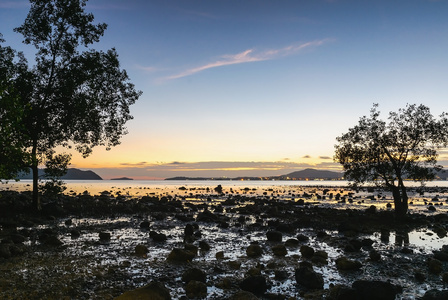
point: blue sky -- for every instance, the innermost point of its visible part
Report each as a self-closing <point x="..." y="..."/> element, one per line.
<point x="258" y="87"/>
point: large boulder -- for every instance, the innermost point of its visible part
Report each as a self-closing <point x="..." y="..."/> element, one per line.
<point x="254" y="284"/>
<point x="373" y="290"/>
<point x="152" y="291"/>
<point x="307" y="277"/>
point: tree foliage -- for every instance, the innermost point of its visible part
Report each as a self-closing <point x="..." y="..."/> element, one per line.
<point x="388" y="153"/>
<point x="77" y="96"/>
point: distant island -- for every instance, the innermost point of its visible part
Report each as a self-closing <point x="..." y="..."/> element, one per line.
<point x="307" y="174"/>
<point x="122" y="178"/>
<point x="72" y="174"/>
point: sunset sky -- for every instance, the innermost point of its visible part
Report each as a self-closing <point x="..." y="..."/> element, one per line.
<point x="258" y="88"/>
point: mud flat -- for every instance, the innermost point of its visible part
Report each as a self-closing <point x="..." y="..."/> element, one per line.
<point x="246" y="243"/>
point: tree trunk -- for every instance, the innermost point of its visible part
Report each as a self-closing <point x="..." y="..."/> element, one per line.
<point x="35" y="171"/>
<point x="400" y="201"/>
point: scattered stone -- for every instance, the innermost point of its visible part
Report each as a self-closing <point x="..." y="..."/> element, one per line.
<point x="144" y="224"/>
<point x="189" y="230"/>
<point x="254" y="250"/>
<point x="292" y="243"/>
<point x="234" y="265"/>
<point x="157" y="237"/>
<point x="345" y="264"/>
<point x="74" y="233"/>
<point x="204" y="246"/>
<point x="194" y="274"/>
<point x="141" y="250"/>
<point x="419" y="276"/>
<point x="180" y="255"/>
<point x="53" y="241"/>
<point x="154" y="290"/>
<point x="104" y="236"/>
<point x="374" y="290"/>
<point x="302" y="238"/>
<point x="196" y="289"/>
<point x="281" y="275"/>
<point x="307" y="277"/>
<point x="219" y="255"/>
<point x="434" y="266"/>
<point x="254" y="284"/>
<point x="441" y="255"/>
<point x="435" y="295"/>
<point x="243" y="295"/>
<point x="279" y="250"/>
<point x="307" y="251"/>
<point x="274" y="236"/>
<point x="374" y="255"/>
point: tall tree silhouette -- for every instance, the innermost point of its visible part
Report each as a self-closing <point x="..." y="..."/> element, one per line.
<point x="388" y="153"/>
<point x="77" y="96"/>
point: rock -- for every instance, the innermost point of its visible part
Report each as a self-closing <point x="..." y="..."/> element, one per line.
<point x="374" y="290"/>
<point x="196" y="289"/>
<point x="254" y="250"/>
<point x="307" y="277"/>
<point x="243" y="295"/>
<point x="74" y="233"/>
<point x="194" y="274"/>
<point x="435" y="295"/>
<point x="17" y="238"/>
<point x="224" y="284"/>
<point x="281" y="275"/>
<point x="307" y="251"/>
<point x="374" y="255"/>
<point x="144" y="224"/>
<point x="234" y="265"/>
<point x="192" y="248"/>
<point x="180" y="255"/>
<point x="4" y="251"/>
<point x="302" y="238"/>
<point x="445" y="277"/>
<point x="367" y="242"/>
<point x="340" y="292"/>
<point x="434" y="266"/>
<point x="353" y="246"/>
<point x="104" y="236"/>
<point x="53" y="241"/>
<point x="141" y="250"/>
<point x="219" y="255"/>
<point x="253" y="272"/>
<point x="189" y="230"/>
<point x="153" y="291"/>
<point x="441" y="255"/>
<point x="292" y="243"/>
<point x="254" y="284"/>
<point x="157" y="237"/>
<point x="345" y="264"/>
<point x="204" y="246"/>
<point x="419" y="276"/>
<point x="279" y="250"/>
<point x="274" y="236"/>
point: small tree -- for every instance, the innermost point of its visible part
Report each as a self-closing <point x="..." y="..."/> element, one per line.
<point x="75" y="95"/>
<point x="388" y="153"/>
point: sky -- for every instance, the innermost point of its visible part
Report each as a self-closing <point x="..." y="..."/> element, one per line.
<point x="258" y="88"/>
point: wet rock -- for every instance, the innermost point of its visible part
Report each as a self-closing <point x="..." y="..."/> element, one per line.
<point x="353" y="246"/>
<point x="253" y="272"/>
<point x="419" y="276"/>
<point x="189" y="230"/>
<point x="367" y="242"/>
<point x="17" y="238"/>
<point x="104" y="236"/>
<point x="254" y="250"/>
<point x="340" y="292"/>
<point x="435" y="295"/>
<point x="196" y="289"/>
<point x="243" y="295"/>
<point x="320" y="257"/>
<point x="53" y="241"/>
<point x="292" y="243"/>
<point x="373" y="290"/>
<point x="224" y="284"/>
<point x="279" y="250"/>
<point x="180" y="255"/>
<point x="5" y="251"/>
<point x="441" y="255"/>
<point x="74" y="233"/>
<point x="157" y="237"/>
<point x="192" y="248"/>
<point x="345" y="264"/>
<point x="274" y="236"/>
<point x="141" y="250"/>
<point x="219" y="255"/>
<point x="194" y="274"/>
<point x="144" y="224"/>
<point x="374" y="255"/>
<point x="307" y="277"/>
<point x="307" y="251"/>
<point x="254" y="284"/>
<point x="204" y="246"/>
<point x="445" y="277"/>
<point x="281" y="275"/>
<point x="154" y="290"/>
<point x="434" y="266"/>
<point x="302" y="238"/>
<point x="234" y="265"/>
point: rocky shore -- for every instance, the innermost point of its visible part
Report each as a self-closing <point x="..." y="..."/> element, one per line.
<point x="219" y="244"/>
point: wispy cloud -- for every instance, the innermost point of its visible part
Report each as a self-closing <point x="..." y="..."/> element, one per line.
<point x="250" y="55"/>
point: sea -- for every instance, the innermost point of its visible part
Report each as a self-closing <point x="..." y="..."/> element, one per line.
<point x="151" y="187"/>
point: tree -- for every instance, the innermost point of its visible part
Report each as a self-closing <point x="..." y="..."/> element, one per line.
<point x="388" y="153"/>
<point x="77" y="96"/>
<point x="12" y="155"/>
